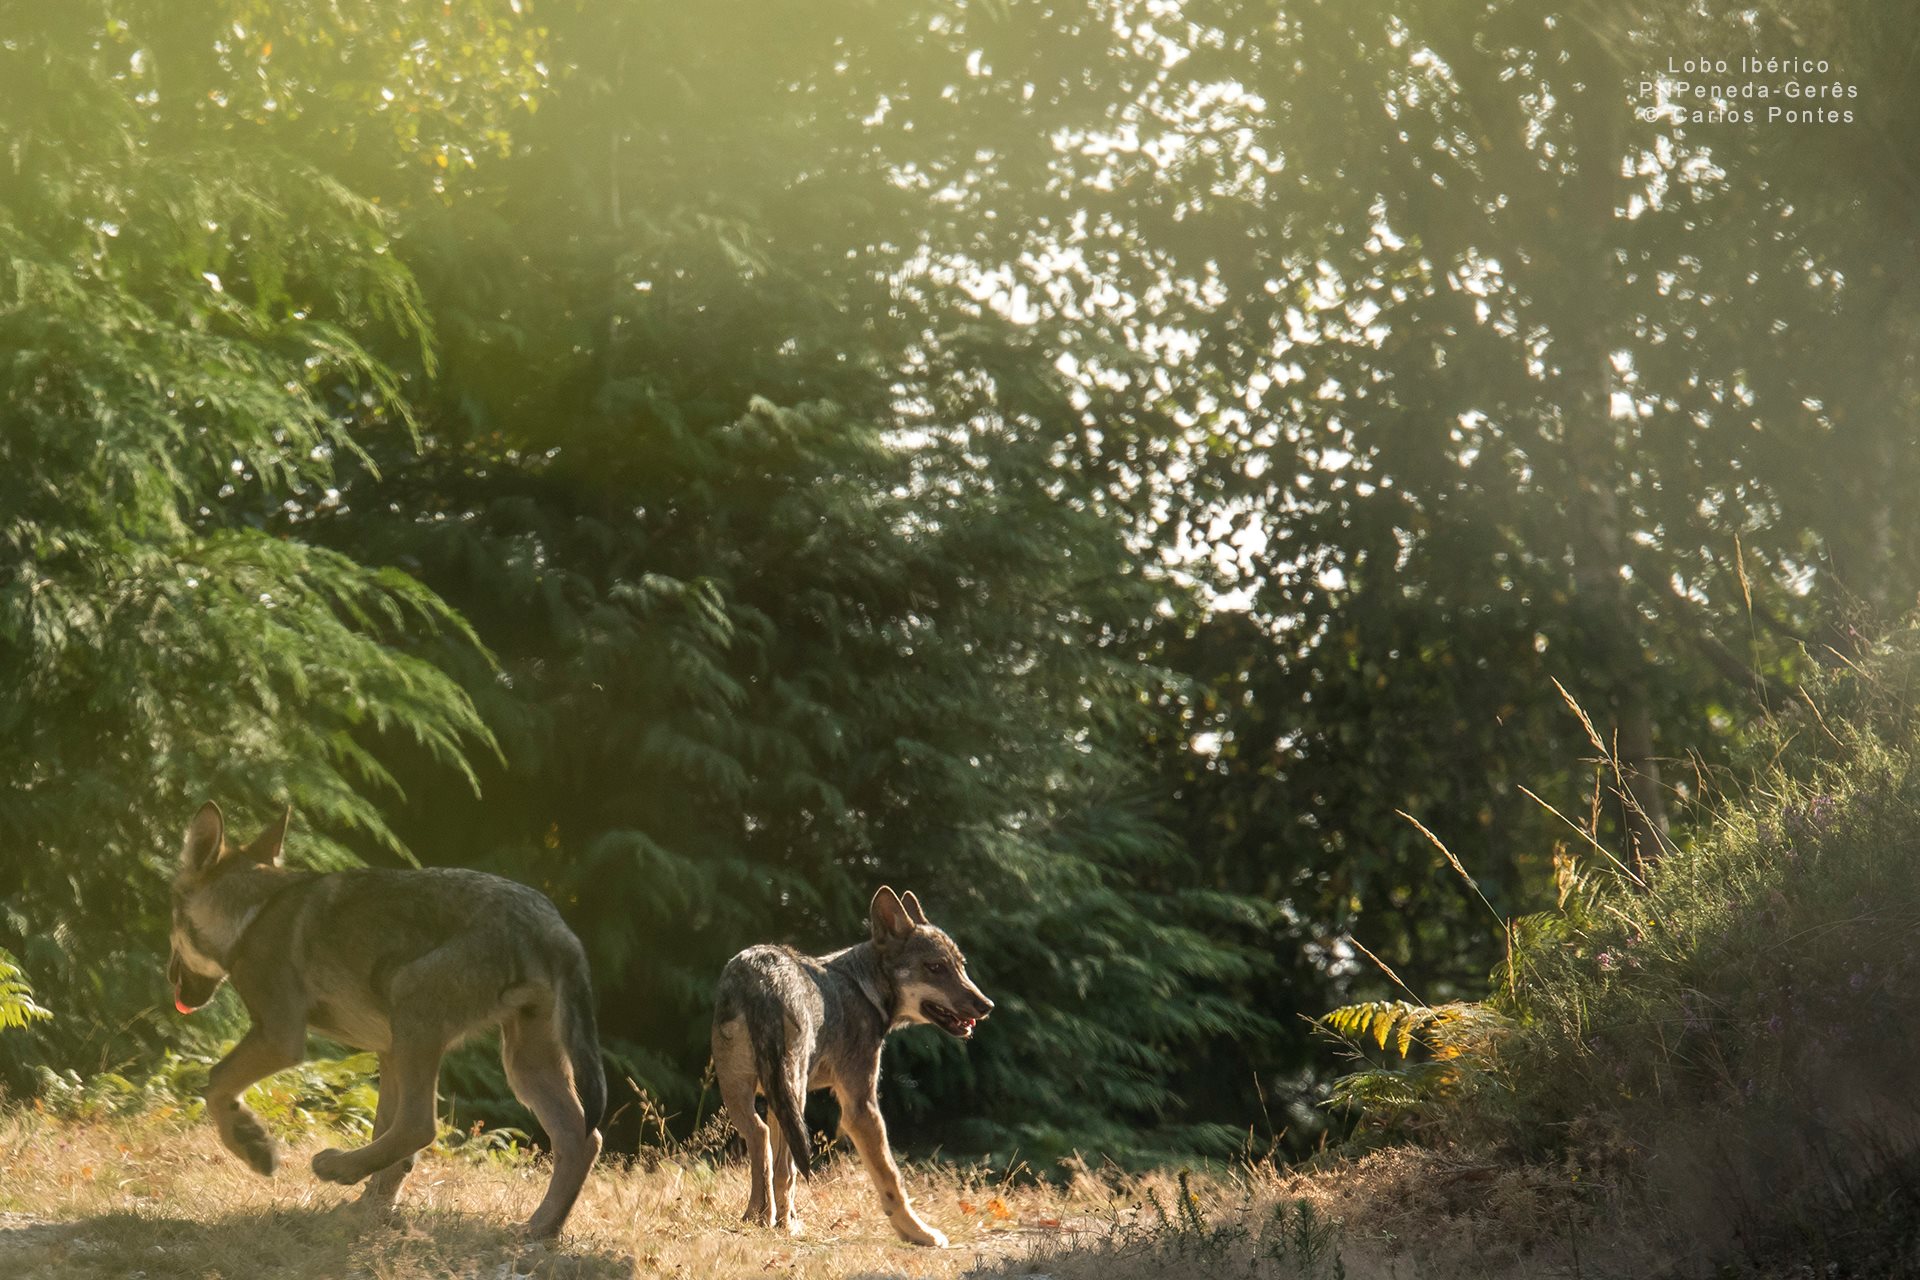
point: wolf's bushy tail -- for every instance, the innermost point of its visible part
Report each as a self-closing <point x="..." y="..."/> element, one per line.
<point x="582" y="1038"/>
<point x="767" y="1029"/>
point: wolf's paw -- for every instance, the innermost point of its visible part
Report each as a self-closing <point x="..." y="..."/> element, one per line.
<point x="921" y="1234"/>
<point x="335" y="1165"/>
<point x="757" y="1215"/>
<point x="378" y="1198"/>
<point x="792" y="1226"/>
<point x="247" y="1138"/>
<point x="379" y="1192"/>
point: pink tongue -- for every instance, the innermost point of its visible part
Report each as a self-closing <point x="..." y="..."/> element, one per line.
<point x="181" y="1005"/>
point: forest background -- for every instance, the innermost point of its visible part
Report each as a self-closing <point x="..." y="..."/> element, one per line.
<point x="1104" y="466"/>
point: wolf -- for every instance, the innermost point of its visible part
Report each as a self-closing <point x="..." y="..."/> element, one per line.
<point x="784" y="1024"/>
<point x="401" y="962"/>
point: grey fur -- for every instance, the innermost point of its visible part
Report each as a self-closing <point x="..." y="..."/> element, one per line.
<point x="404" y="963"/>
<point x="785" y="1023"/>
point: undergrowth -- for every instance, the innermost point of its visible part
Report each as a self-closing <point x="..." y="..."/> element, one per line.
<point x="319" y="1096"/>
<point x="1732" y="1024"/>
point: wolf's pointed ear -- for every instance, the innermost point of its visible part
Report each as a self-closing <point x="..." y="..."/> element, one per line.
<point x="888" y="918"/>
<point x="266" y="846"/>
<point x="915" y="912"/>
<point x="206" y="836"/>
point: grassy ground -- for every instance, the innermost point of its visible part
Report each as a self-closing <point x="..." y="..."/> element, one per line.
<point x="149" y="1199"/>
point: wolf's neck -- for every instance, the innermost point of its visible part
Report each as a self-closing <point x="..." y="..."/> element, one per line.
<point x="221" y="912"/>
<point x="861" y="965"/>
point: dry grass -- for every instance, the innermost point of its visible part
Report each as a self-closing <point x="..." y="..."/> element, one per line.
<point x="147" y="1199"/>
<point x="1398" y="1214"/>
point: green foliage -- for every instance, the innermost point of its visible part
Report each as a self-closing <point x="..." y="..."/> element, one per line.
<point x="17" y="1005"/>
<point x="1419" y="1065"/>
<point x="187" y="324"/>
<point x="1496" y="384"/>
<point x="797" y="584"/>
<point x="705" y="467"/>
<point x="1771" y="970"/>
<point x="1384" y="1020"/>
<point x="798" y="574"/>
<point x="171" y="1089"/>
<point x="1735" y="1035"/>
<point x="723" y="727"/>
<point x="327" y="1095"/>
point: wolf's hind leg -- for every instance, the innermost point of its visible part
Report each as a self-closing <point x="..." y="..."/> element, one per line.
<point x="734" y="1070"/>
<point x="784" y="1173"/>
<point x="415" y="1069"/>
<point x="383" y="1188"/>
<point x="542" y="1078"/>
<point x="259" y="1054"/>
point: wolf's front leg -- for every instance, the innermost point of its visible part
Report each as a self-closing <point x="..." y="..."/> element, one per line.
<point x="416" y="1070"/>
<point x="383" y="1188"/>
<point x="259" y="1054"/>
<point x="860" y="1118"/>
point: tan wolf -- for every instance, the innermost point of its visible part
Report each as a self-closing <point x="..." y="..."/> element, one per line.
<point x="784" y="1023"/>
<point x="401" y="962"/>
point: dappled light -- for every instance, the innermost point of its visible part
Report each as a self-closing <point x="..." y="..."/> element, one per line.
<point x="1358" y="554"/>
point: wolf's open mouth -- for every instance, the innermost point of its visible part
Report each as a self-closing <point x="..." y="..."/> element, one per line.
<point x="949" y="1021"/>
<point x="193" y="993"/>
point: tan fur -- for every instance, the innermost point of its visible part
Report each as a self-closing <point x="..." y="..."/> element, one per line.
<point x="403" y="963"/>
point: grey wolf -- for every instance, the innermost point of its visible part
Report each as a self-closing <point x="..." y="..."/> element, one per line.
<point x="785" y="1023"/>
<point x="401" y="962"/>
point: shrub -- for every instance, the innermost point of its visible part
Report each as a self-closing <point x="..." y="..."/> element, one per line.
<point x="329" y="1097"/>
<point x="1739" y="1021"/>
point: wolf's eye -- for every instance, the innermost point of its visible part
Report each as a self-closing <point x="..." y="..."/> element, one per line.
<point x="936" y="969"/>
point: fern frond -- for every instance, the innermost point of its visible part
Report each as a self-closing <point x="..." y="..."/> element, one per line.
<point x="18" y="1008"/>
